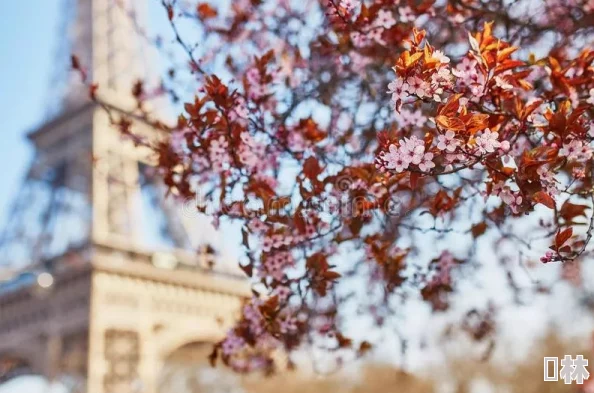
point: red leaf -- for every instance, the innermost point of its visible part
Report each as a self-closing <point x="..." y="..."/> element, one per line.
<point x="545" y="199"/>
<point x="299" y="220"/>
<point x="364" y="347"/>
<point x="450" y="123"/>
<point x="247" y="269"/>
<point x="206" y="11"/>
<point x="565" y="249"/>
<point x="479" y="229"/>
<point x="311" y="168"/>
<point x="331" y="275"/>
<point x="414" y="177"/>
<point x="563" y="236"/>
<point x="569" y="211"/>
<point x="213" y="356"/>
<point x="343" y="342"/>
<point x="75" y="63"/>
<point x="93" y="91"/>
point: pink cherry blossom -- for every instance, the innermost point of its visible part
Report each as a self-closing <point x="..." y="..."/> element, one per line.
<point x="359" y="39"/>
<point x="407" y="118"/>
<point x="288" y="325"/>
<point x="394" y="160"/>
<point x="232" y="344"/>
<point x="511" y="198"/>
<point x="219" y="157"/>
<point x="417" y="118"/>
<point x="349" y="5"/>
<point x="282" y="292"/>
<point x="406" y="14"/>
<point x="427" y="162"/>
<point x="399" y="90"/>
<point x="267" y="243"/>
<point x="385" y="19"/>
<point x="548" y="257"/>
<point x="257" y="226"/>
<point x="276" y="264"/>
<point x="467" y="67"/>
<point x="376" y="35"/>
<point x="439" y="55"/>
<point x="448" y="141"/>
<point x="412" y="149"/>
<point x="578" y="172"/>
<point x="487" y="142"/>
<point x="547" y="180"/>
<point x="576" y="151"/>
<point x="418" y="86"/>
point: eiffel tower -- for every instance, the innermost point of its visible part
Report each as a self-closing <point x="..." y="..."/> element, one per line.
<point x="81" y="295"/>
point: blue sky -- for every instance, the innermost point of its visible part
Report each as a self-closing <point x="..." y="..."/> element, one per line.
<point x="28" y="42"/>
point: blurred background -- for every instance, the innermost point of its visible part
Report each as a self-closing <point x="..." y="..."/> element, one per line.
<point x="33" y="77"/>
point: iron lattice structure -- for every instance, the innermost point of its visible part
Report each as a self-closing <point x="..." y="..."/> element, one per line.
<point x="82" y="294"/>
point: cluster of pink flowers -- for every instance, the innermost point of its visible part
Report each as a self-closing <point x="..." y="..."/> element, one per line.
<point x="576" y="150"/>
<point x="578" y="172"/>
<point x="283" y="293"/>
<point x="406" y="14"/>
<point x="448" y="142"/>
<point x="548" y="257"/>
<point x="288" y="324"/>
<point x="252" y="314"/>
<point x="441" y="272"/>
<point x="442" y="78"/>
<point x="558" y="13"/>
<point x="373" y="33"/>
<point x="296" y="142"/>
<point x="401" y="89"/>
<point x="511" y="198"/>
<point x="232" y="344"/>
<point x="358" y="62"/>
<point x="349" y="5"/>
<point x="276" y="241"/>
<point x="407" y="118"/>
<point x="384" y="19"/>
<point x="275" y="264"/>
<point x="243" y="356"/>
<point x="240" y="111"/>
<point x="410" y="151"/>
<point x="256" y="88"/>
<point x="218" y="154"/>
<point x="417" y="86"/>
<point x="256" y="225"/>
<point x="398" y="88"/>
<point x="488" y="142"/>
<point x="251" y="152"/>
<point x="469" y="76"/>
<point x="547" y="180"/>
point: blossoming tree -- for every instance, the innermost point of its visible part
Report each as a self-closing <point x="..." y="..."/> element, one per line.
<point x="343" y="136"/>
